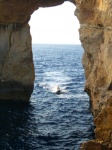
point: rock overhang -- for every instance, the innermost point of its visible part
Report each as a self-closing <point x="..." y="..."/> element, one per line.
<point x="95" y="17"/>
<point x="12" y="11"/>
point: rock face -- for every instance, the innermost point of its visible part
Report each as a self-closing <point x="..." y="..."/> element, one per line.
<point x="95" y="17"/>
<point x="12" y="11"/>
<point x="16" y="64"/>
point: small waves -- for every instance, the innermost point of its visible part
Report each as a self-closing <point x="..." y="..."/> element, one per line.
<point x="50" y="121"/>
<point x="64" y="120"/>
<point x="52" y="80"/>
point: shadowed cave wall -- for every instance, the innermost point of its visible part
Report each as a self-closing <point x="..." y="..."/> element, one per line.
<point x="17" y="70"/>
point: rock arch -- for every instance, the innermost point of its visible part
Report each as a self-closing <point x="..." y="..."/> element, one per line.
<point x="16" y="64"/>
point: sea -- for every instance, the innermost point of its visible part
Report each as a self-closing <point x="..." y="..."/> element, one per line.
<point x="51" y="120"/>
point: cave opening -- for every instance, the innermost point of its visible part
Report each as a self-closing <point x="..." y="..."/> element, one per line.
<point x="57" y="55"/>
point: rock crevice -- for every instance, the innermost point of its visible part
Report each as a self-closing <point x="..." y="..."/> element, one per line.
<point x="96" y="36"/>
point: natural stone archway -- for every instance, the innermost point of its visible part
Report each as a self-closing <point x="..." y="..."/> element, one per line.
<point x="16" y="63"/>
<point x="16" y="67"/>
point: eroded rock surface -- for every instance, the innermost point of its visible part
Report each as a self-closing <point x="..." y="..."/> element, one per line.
<point x="95" y="17"/>
<point x="16" y="61"/>
<point x="12" y="11"/>
<point x="16" y="64"/>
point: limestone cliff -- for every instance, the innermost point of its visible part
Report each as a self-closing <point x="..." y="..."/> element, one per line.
<point x="16" y="61"/>
<point x="16" y="64"/>
<point x="95" y="17"/>
<point x="12" y="11"/>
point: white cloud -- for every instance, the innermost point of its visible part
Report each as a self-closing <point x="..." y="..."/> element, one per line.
<point x="55" y="25"/>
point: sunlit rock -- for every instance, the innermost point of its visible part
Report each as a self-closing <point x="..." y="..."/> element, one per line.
<point x="16" y="61"/>
<point x="95" y="17"/>
<point x="16" y="67"/>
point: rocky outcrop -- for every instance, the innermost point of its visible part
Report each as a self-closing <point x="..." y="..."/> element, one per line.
<point x="12" y="11"/>
<point x="95" y="17"/>
<point x="16" y="61"/>
<point x="16" y="64"/>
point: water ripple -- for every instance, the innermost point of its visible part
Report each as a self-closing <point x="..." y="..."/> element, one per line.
<point x="50" y="121"/>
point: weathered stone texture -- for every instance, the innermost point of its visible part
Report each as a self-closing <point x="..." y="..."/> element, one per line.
<point x="19" y="11"/>
<point x="16" y="60"/>
<point x="94" y="145"/>
<point x="16" y="64"/>
<point x="95" y="17"/>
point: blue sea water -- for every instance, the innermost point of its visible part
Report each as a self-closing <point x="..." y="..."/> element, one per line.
<point x="50" y="121"/>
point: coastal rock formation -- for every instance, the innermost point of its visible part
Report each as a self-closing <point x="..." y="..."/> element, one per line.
<point x="12" y="11"/>
<point x="16" y="64"/>
<point x="17" y="70"/>
<point x="95" y="17"/>
<point x="16" y="60"/>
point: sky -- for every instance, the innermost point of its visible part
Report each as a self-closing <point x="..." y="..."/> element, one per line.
<point x="55" y="25"/>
